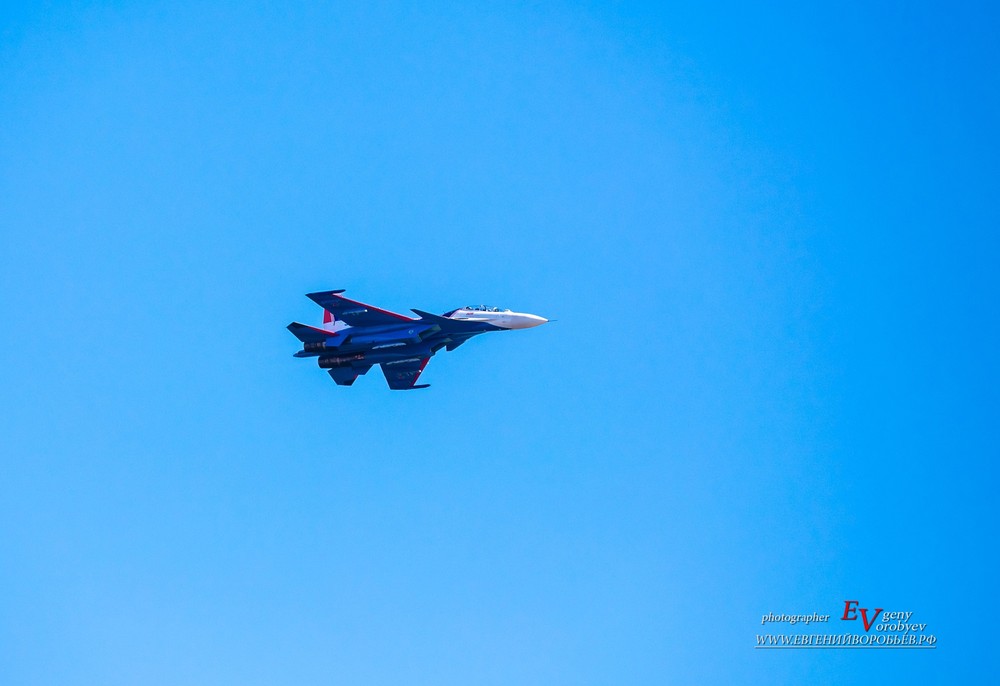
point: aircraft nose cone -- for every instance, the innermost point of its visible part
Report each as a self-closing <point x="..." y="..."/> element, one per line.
<point x="530" y="320"/>
<point x="519" y="320"/>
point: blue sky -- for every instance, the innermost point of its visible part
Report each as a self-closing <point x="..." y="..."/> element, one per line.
<point x="768" y="235"/>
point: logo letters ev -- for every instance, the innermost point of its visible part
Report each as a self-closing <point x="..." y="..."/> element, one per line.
<point x="851" y="612"/>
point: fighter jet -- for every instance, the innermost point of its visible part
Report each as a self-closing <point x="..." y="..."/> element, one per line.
<point x="356" y="336"/>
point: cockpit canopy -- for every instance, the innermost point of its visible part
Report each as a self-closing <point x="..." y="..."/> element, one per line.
<point x="483" y="308"/>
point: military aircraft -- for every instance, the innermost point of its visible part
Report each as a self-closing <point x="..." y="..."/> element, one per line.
<point x="356" y="336"/>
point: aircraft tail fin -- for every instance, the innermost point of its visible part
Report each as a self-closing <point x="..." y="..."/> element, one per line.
<point x="345" y="376"/>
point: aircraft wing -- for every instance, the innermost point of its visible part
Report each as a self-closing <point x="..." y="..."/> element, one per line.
<point x="355" y="313"/>
<point x="402" y="375"/>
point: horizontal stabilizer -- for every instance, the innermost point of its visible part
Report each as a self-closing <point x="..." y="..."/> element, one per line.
<point x="309" y="334"/>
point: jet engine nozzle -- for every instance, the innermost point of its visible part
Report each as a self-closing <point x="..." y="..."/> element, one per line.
<point x="339" y="361"/>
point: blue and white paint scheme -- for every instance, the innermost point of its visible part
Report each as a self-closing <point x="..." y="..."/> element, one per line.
<point x="502" y="319"/>
<point x="356" y="336"/>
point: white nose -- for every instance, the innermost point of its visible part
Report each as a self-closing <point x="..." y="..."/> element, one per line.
<point x="524" y="321"/>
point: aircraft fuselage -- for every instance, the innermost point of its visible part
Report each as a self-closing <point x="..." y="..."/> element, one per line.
<point x="356" y="336"/>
